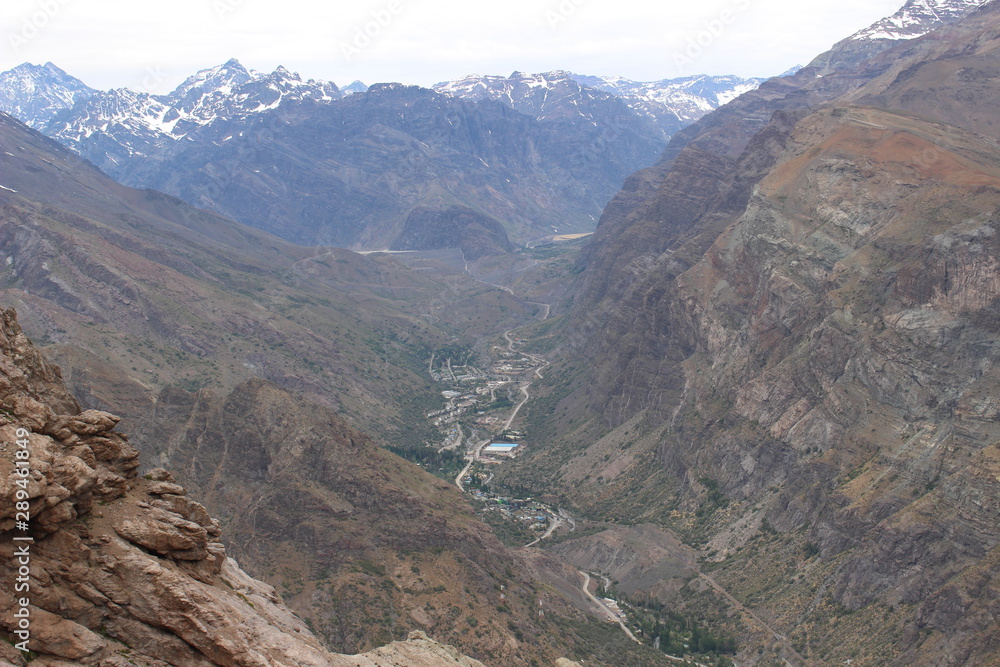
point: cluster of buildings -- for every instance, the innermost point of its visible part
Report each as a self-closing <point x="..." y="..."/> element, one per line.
<point x="615" y="609"/>
<point x="491" y="386"/>
<point x="514" y="367"/>
<point x="527" y="511"/>
<point x="458" y="405"/>
<point x="505" y="448"/>
<point x="462" y="400"/>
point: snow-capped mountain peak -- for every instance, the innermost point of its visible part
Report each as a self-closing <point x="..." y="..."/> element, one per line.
<point x="233" y="91"/>
<point x="34" y="93"/>
<point x="355" y="87"/>
<point x="225" y="78"/>
<point x="917" y="18"/>
<point x="126" y="122"/>
<point x="705" y="91"/>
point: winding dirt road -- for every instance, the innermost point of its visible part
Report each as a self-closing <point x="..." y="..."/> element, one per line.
<point x="611" y="616"/>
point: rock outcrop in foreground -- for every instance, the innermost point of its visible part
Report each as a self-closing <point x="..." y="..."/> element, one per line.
<point x="127" y="570"/>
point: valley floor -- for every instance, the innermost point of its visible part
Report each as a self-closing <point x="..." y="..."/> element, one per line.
<point x="473" y="422"/>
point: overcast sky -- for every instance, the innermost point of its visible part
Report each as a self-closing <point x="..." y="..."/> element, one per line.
<point x="155" y="45"/>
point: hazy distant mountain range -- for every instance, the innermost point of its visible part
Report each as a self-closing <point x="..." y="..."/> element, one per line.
<point x="315" y="164"/>
<point x="38" y="94"/>
<point x="670" y="104"/>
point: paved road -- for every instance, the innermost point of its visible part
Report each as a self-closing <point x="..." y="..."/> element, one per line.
<point x="473" y="455"/>
<point x="548" y="308"/>
<point x="611" y="616"/>
<point x="524" y="390"/>
<point x="510" y="341"/>
<point x="554" y="522"/>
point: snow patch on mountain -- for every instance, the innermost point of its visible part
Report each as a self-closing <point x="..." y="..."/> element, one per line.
<point x="546" y="96"/>
<point x="686" y="99"/>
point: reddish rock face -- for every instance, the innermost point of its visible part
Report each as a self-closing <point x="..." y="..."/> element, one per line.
<point x="122" y="566"/>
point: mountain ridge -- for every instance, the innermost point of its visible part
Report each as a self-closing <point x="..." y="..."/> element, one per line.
<point x="549" y="173"/>
<point x="917" y="18"/>
<point x="670" y="103"/>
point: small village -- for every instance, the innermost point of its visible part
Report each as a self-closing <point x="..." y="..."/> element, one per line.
<point x="475" y="421"/>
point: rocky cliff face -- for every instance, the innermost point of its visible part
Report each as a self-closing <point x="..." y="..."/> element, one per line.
<point x="702" y="177"/>
<point x="667" y="216"/>
<point x="810" y="354"/>
<point x="843" y="358"/>
<point x="123" y="570"/>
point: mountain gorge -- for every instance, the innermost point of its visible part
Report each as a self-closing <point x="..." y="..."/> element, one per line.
<point x="758" y="406"/>
<point x="235" y="359"/>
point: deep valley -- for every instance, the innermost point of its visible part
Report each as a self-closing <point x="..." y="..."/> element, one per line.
<point x="539" y="369"/>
